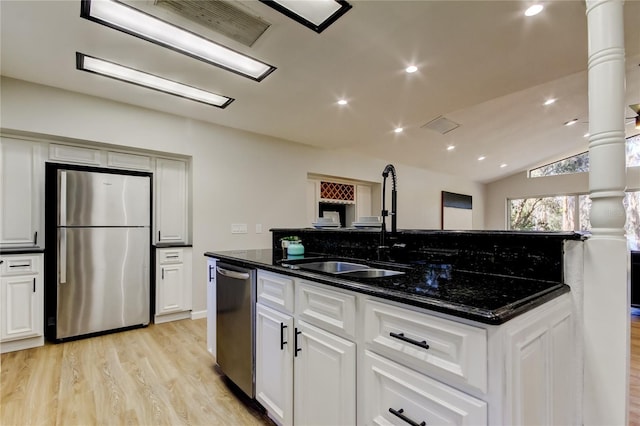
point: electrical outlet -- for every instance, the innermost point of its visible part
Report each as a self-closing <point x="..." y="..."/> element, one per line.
<point x="258" y="228"/>
<point x="238" y="228"/>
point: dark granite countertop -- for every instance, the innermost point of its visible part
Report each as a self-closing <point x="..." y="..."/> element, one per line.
<point x="486" y="298"/>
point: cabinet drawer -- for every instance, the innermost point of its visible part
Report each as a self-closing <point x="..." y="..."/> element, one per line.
<point x="456" y="352"/>
<point x="20" y="265"/>
<point x="170" y="256"/>
<point x="332" y="310"/>
<point x="276" y="291"/>
<point x="391" y="388"/>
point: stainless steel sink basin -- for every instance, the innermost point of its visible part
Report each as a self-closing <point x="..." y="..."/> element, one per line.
<point x="371" y="273"/>
<point x="331" y="267"/>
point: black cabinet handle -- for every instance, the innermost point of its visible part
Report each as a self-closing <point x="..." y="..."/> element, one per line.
<point x="295" y="342"/>
<point x="282" y="342"/>
<point x="158" y="236"/>
<point x="35" y="238"/>
<point x="210" y="271"/>
<point x="163" y="273"/>
<point x="398" y="413"/>
<point x="22" y="265"/>
<point x="34" y="285"/>
<point x="402" y="337"/>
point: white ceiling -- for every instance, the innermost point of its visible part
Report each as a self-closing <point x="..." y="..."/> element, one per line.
<point x="481" y="64"/>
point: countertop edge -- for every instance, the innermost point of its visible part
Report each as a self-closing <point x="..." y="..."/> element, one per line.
<point x="485" y="316"/>
<point x="22" y="250"/>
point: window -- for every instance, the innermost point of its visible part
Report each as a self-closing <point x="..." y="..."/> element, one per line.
<point x="580" y="163"/>
<point x="559" y="213"/>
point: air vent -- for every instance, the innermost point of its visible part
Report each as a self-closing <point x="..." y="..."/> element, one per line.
<point x="441" y="125"/>
<point x="220" y="16"/>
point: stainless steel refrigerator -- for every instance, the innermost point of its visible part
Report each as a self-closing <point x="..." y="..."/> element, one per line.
<point x="102" y="253"/>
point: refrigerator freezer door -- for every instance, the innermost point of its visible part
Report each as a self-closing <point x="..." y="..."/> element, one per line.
<point x="107" y="280"/>
<point x="103" y="199"/>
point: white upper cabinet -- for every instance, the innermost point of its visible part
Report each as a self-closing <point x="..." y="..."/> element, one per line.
<point x="21" y="194"/>
<point x="171" y="200"/>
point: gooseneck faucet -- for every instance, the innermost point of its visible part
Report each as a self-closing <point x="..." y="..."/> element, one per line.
<point x="394" y="200"/>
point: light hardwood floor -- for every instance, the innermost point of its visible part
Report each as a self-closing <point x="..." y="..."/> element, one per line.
<point x="158" y="375"/>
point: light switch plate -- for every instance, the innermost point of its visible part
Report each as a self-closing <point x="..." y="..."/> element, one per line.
<point x="238" y="228"/>
<point x="258" y="228"/>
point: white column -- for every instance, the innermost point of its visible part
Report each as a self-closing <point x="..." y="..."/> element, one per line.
<point x="606" y="301"/>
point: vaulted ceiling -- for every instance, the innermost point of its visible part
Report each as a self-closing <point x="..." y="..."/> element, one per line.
<point x="481" y="64"/>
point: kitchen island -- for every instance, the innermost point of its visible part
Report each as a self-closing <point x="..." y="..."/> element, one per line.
<point x="440" y="343"/>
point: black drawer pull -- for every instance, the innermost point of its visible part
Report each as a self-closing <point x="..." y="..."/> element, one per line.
<point x="398" y="413"/>
<point x="402" y="337"/>
<point x="34" y="285"/>
<point x="282" y="342"/>
<point x="210" y="273"/>
<point x="20" y="266"/>
<point x="295" y="342"/>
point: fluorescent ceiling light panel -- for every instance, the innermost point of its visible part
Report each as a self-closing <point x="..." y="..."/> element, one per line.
<point x="139" y="78"/>
<point x="137" y="23"/>
<point x="314" y="14"/>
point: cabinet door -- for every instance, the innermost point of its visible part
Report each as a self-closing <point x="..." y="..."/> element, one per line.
<point x="324" y="377"/>
<point x="171" y="201"/>
<point x="169" y="290"/>
<point x="211" y="306"/>
<point x="395" y="395"/>
<point x="21" y="304"/>
<point x="21" y="194"/>
<point x="274" y="365"/>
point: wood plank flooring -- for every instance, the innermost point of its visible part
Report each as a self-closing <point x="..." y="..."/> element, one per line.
<point x="159" y="375"/>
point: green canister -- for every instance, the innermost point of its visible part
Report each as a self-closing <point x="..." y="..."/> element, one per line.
<point x="295" y="248"/>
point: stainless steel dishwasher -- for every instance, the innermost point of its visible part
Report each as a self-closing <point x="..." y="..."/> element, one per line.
<point x="235" y="329"/>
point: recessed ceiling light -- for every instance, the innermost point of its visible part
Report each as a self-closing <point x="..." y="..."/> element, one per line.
<point x="139" y="78"/>
<point x="549" y="101"/>
<point x="586" y="135"/>
<point x="534" y="10"/>
<point x="503" y="165"/>
<point x="482" y="157"/>
<point x="342" y="102"/>
<point x="411" y="69"/>
<point x="398" y="129"/>
<point x="132" y="21"/>
<point x="571" y="122"/>
<point x="451" y="147"/>
<point x="317" y="15"/>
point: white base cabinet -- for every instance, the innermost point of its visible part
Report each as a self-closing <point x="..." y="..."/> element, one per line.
<point x="305" y="374"/>
<point x="173" y="284"/>
<point x="407" y="365"/>
<point x="21" y="302"/>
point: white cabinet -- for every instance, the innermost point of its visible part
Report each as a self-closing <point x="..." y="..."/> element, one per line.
<point x="171" y="198"/>
<point x="21" y="194"/>
<point x="173" y="284"/>
<point x="211" y="306"/>
<point x="274" y="363"/>
<point x="304" y="373"/>
<point x="21" y="302"/>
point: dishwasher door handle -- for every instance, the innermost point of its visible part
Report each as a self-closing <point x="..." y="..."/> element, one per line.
<point x="232" y="274"/>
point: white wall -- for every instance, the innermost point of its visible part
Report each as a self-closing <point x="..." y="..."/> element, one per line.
<point x="521" y="186"/>
<point x="238" y="177"/>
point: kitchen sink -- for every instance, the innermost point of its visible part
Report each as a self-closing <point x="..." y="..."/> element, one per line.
<point x="331" y="266"/>
<point x="372" y="273"/>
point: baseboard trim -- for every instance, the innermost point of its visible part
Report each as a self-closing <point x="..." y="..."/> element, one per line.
<point x="198" y="314"/>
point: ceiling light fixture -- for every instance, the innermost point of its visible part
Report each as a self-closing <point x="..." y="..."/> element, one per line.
<point x="411" y="69"/>
<point x="533" y="10"/>
<point x="316" y="14"/>
<point x="342" y="102"/>
<point x="398" y="129"/>
<point x="451" y="147"/>
<point x="123" y="18"/>
<point x="503" y="165"/>
<point x="586" y="135"/>
<point x="150" y="81"/>
<point x="571" y="122"/>
<point x="482" y="157"/>
<point x="549" y="101"/>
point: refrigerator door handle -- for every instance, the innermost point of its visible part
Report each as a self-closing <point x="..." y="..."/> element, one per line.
<point x="63" y="256"/>
<point x="62" y="220"/>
